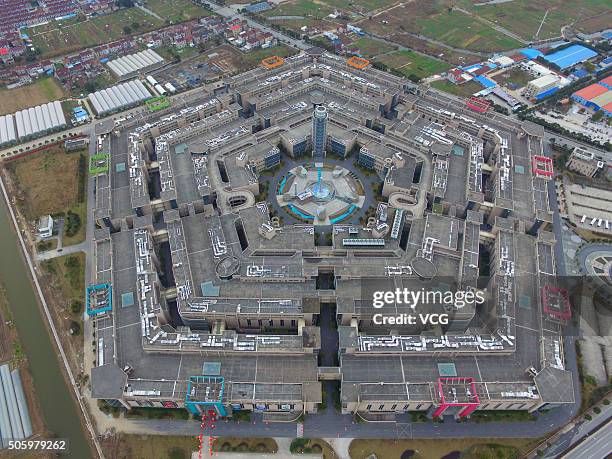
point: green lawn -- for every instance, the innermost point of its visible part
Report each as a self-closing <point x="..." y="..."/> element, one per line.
<point x="411" y="63"/>
<point x="176" y="10"/>
<point x="463" y="90"/>
<point x="462" y="31"/>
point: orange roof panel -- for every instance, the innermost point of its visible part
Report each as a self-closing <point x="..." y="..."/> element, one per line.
<point x="592" y="91"/>
<point x="607" y="80"/>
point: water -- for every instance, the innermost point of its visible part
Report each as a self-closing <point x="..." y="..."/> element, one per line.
<point x="59" y="410"/>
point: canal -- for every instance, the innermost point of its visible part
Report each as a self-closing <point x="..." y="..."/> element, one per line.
<point x="59" y="410"/>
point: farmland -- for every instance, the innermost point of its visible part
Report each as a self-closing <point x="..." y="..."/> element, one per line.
<point x="91" y="32"/>
<point x="410" y="63"/>
<point x="370" y="48"/>
<point x="177" y="10"/>
<point x="523" y="17"/>
<point x="463" y="31"/>
<point x="42" y="91"/>
<point x="435" y="20"/>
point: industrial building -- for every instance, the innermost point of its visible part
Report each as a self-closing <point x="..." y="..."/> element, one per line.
<point x="584" y="162"/>
<point x="570" y="56"/>
<point x="597" y="96"/>
<point x="542" y="87"/>
<point x="209" y="286"/>
<point x="119" y="97"/>
<point x="131" y="65"/>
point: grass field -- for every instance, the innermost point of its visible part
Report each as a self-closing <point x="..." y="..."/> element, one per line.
<point x="426" y="449"/>
<point x="523" y="17"/>
<point x="463" y="90"/>
<point x="49" y="182"/>
<point x="125" y="446"/>
<point x="411" y="63"/>
<point x="68" y="273"/>
<point x="176" y="10"/>
<point x="370" y="47"/>
<point x="244" y="61"/>
<point x="91" y="32"/>
<point x="42" y="91"/>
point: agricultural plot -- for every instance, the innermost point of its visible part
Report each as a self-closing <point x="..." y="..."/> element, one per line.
<point x="411" y="63"/>
<point x="371" y="48"/>
<point x="462" y="31"/>
<point x="177" y="10"/>
<point x="92" y="32"/>
<point x="523" y="17"/>
<point x="305" y="8"/>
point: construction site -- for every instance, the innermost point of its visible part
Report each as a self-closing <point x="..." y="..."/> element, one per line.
<point x="225" y="229"/>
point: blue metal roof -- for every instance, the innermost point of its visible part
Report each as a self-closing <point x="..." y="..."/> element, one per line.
<point x="531" y="53"/>
<point x="571" y="56"/>
<point x="487" y="83"/>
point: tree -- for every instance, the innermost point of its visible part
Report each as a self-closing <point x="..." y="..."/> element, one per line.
<point x="127" y="30"/>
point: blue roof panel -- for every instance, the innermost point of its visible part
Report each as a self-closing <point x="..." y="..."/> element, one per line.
<point x="570" y="56"/>
<point x="531" y="53"/>
<point x="487" y="83"/>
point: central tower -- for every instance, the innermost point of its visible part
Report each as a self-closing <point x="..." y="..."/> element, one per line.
<point x="319" y="133"/>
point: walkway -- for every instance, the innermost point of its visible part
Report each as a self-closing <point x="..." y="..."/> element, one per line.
<point x="61" y="251"/>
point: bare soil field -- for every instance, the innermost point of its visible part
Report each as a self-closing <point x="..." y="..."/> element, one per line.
<point x="42" y="91"/>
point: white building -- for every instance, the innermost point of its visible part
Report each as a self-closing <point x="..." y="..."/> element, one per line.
<point x="45" y="226"/>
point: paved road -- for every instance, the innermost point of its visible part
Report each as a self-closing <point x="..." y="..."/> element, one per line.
<point x="60" y="252"/>
<point x="595" y="446"/>
<point x="230" y="13"/>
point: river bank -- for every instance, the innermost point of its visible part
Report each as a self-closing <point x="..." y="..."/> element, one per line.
<point x="40" y="338"/>
<point x="11" y="351"/>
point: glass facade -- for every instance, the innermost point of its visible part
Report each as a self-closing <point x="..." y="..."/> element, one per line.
<point x="300" y="148"/>
<point x="337" y="147"/>
<point x="319" y="132"/>
<point x="366" y="160"/>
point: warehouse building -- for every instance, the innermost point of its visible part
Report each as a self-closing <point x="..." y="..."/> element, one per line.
<point x="570" y="56"/>
<point x="128" y="66"/>
<point x="542" y="87"/>
<point x="119" y="97"/>
<point x="597" y="96"/>
<point x="7" y="130"/>
<point x="40" y="120"/>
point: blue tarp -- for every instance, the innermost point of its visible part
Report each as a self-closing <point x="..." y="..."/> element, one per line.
<point x="485" y="81"/>
<point x="531" y="53"/>
<point x="571" y="56"/>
